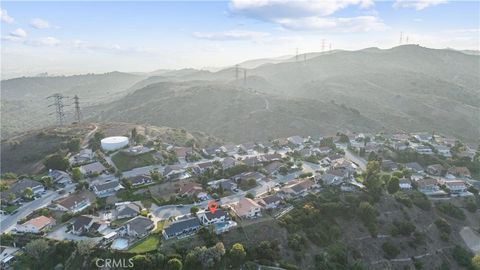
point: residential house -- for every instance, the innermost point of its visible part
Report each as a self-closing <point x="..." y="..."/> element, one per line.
<point x="84" y="156"/>
<point x="270" y="201"/>
<point x="183" y="152"/>
<point x="73" y="203"/>
<point x="247" y="208"/>
<point x="295" y="140"/>
<point x="297" y="188"/>
<point x="92" y="168"/>
<point x="335" y="177"/>
<point x="209" y="152"/>
<point x="456" y="186"/>
<point x="459" y="172"/>
<point x="400" y="146"/>
<point x="423" y="149"/>
<point x="229" y="149"/>
<point x="423" y="137"/>
<point x="20" y="186"/>
<point x="60" y="177"/>
<point x="228" y="162"/>
<point x="273" y="167"/>
<point x="208" y="218"/>
<point x="82" y="224"/>
<point x="181" y="228"/>
<point x="248" y="175"/>
<point x="388" y="165"/>
<point x="270" y="157"/>
<point x="414" y="167"/>
<point x="443" y="150"/>
<point x="248" y="148"/>
<point x="226" y="184"/>
<point x="194" y="190"/>
<point x="7" y="256"/>
<point x="140" y="180"/>
<point x="436" y="169"/>
<point x="203" y="166"/>
<point x="36" y="225"/>
<point x="138" y="227"/>
<point x="128" y="209"/>
<point x="428" y="185"/>
<point x="106" y="189"/>
<point x="323" y="150"/>
<point x="405" y="183"/>
<point x="175" y="172"/>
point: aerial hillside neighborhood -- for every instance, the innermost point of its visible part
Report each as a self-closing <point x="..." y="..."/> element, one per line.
<point x="135" y="193"/>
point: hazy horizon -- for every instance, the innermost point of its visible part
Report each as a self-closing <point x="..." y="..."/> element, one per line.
<point x="65" y="38"/>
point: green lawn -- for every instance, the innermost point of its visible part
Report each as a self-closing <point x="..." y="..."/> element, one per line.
<point x="150" y="243"/>
<point x="126" y="162"/>
<point x="160" y="226"/>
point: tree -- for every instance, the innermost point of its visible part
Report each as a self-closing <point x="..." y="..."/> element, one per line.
<point x="476" y="262"/>
<point x="85" y="247"/>
<point x="237" y="254"/>
<point x="47" y="181"/>
<point x="141" y="261"/>
<point x="134" y="135"/>
<point x="76" y="174"/>
<point x="27" y="193"/>
<point x="37" y="248"/>
<point x="393" y="185"/>
<point x="56" y="162"/>
<point x="194" y="210"/>
<point x="373" y="182"/>
<point x="174" y="264"/>
<point x="249" y="195"/>
<point x="73" y="145"/>
<point x="11" y="196"/>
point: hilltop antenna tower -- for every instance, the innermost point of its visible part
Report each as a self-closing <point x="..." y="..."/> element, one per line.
<point x="58" y="103"/>
<point x="78" y="113"/>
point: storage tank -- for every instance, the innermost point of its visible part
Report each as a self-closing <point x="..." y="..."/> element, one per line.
<point x="114" y="143"/>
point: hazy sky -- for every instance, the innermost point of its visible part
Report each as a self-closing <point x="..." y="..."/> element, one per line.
<point x="79" y="37"/>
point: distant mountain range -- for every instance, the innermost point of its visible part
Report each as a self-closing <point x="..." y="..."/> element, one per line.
<point x="407" y="87"/>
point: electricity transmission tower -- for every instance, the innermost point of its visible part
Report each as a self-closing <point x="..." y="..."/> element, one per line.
<point x="78" y="113"/>
<point x="58" y="103"/>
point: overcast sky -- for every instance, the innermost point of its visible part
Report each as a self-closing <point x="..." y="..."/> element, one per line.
<point x="73" y="37"/>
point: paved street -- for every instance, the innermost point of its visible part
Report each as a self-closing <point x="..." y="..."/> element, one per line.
<point x="8" y="221"/>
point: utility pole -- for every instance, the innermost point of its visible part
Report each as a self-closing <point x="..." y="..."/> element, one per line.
<point x="78" y="113"/>
<point x="245" y="76"/>
<point x="236" y="72"/>
<point x="58" y="103"/>
<point x="330" y="47"/>
<point x="407" y="40"/>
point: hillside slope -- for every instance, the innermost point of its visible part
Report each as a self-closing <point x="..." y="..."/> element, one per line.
<point x="231" y="113"/>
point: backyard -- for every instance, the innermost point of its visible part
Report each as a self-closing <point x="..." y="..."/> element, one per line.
<point x="126" y="162"/>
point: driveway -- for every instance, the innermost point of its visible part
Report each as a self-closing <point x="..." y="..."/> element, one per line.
<point x="61" y="234"/>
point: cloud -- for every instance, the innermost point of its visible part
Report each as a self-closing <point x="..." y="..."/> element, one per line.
<point x="39" y="24"/>
<point x="417" y="4"/>
<point x="309" y="14"/>
<point x="270" y="9"/>
<point x="231" y="35"/>
<point x="44" y="41"/>
<point x="5" y="17"/>
<point x="19" y="33"/>
<point x="352" y="24"/>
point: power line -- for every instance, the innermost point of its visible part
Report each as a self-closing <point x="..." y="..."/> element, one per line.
<point x="58" y="103"/>
<point x="78" y="113"/>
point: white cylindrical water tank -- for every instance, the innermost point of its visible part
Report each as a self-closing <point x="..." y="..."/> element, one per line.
<point x="114" y="143"/>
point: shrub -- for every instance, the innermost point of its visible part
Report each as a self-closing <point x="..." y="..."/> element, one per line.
<point x="390" y="250"/>
<point x="403" y="198"/>
<point x="462" y="256"/>
<point x="404" y="228"/>
<point x="451" y="210"/>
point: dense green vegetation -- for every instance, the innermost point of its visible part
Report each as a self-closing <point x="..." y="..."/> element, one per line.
<point x="125" y="162"/>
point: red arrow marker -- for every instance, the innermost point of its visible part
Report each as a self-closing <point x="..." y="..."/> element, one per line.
<point x="212" y="206"/>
